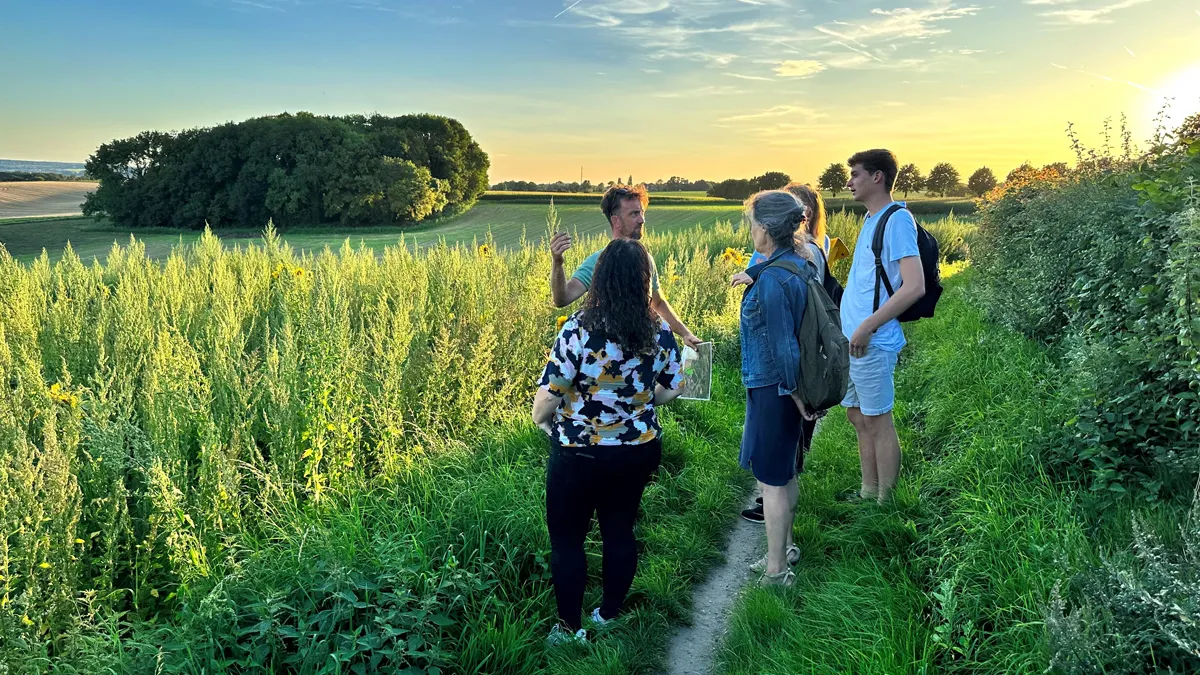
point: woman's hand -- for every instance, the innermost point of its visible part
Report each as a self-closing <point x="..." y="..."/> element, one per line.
<point x="740" y="279"/>
<point x="810" y="416"/>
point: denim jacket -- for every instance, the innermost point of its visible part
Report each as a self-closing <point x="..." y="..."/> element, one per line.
<point x="770" y="321"/>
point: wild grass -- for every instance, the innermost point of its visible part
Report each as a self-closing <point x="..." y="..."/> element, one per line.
<point x="955" y="576"/>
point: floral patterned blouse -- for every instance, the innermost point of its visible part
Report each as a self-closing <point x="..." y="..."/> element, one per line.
<point x="608" y="395"/>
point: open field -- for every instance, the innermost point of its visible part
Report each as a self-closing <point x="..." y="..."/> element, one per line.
<point x="506" y="222"/>
<point x="42" y="198"/>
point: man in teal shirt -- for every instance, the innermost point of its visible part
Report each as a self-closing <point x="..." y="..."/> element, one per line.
<point x="625" y="208"/>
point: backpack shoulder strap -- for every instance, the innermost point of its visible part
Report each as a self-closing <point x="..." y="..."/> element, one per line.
<point x="784" y="264"/>
<point x="824" y="259"/>
<point x="881" y="276"/>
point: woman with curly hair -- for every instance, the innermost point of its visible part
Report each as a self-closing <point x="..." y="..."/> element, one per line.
<point x="611" y="364"/>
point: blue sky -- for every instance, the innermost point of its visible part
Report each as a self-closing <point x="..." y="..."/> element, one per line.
<point x="653" y="88"/>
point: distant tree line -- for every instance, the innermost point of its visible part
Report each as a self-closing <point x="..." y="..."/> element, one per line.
<point x="292" y="169"/>
<point x="943" y="180"/>
<point x="672" y="184"/>
<point x="741" y="188"/>
<point x="36" y="176"/>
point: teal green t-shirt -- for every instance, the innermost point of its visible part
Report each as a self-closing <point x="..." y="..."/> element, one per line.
<point x="587" y="268"/>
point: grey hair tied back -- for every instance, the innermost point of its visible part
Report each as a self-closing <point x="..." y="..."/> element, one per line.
<point x="780" y="213"/>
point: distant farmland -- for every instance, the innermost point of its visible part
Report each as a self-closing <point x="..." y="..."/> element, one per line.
<point x="42" y="198"/>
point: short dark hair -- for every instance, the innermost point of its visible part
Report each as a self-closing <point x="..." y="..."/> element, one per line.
<point x="877" y="160"/>
<point x="619" y="194"/>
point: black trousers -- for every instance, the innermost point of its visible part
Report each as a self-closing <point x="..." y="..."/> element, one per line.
<point x="807" y="429"/>
<point x="607" y="482"/>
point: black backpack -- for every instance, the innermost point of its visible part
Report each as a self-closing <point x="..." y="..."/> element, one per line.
<point x="830" y="283"/>
<point x="928" y="248"/>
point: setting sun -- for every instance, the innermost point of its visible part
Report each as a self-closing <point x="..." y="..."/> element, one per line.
<point x="1180" y="92"/>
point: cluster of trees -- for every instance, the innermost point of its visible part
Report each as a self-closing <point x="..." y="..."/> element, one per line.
<point x="741" y="188"/>
<point x="672" y="184"/>
<point x="943" y="180"/>
<point x="293" y="169"/>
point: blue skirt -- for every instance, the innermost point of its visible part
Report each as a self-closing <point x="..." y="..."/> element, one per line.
<point x="771" y="437"/>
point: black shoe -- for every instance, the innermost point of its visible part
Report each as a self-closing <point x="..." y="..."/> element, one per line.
<point x="758" y="500"/>
<point x="754" y="514"/>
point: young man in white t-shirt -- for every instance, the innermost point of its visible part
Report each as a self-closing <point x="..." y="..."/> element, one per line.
<point x="875" y="334"/>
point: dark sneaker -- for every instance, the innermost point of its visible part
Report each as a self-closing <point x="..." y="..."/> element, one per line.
<point x="758" y="500"/>
<point x="754" y="514"/>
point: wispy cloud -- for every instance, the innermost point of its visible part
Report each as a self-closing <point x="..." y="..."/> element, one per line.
<point x="777" y="111"/>
<point x="719" y="34"/>
<point x="1092" y="16"/>
<point x="805" y="68"/>
<point x="755" y="78"/>
<point x="711" y="90"/>
<point x="1106" y="78"/>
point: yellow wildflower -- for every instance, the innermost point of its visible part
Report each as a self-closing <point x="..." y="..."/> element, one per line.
<point x="78" y="540"/>
<point x="485" y="250"/>
<point x="44" y="565"/>
<point x="298" y="272"/>
<point x="60" y="396"/>
<point x="558" y="323"/>
<point x="26" y="620"/>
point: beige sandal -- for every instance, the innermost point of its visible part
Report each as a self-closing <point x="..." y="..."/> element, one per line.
<point x="793" y="558"/>
<point x="784" y="578"/>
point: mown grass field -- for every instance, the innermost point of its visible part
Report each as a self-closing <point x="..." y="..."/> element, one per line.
<point x="507" y="223"/>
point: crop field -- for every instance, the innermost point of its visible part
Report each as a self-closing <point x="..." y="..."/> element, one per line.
<point x="505" y="222"/>
<point x="42" y="198"/>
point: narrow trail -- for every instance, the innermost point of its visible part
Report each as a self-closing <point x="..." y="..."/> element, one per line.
<point x="692" y="647"/>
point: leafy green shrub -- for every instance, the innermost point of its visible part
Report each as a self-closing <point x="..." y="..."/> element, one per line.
<point x="1134" y="616"/>
<point x="1106" y="263"/>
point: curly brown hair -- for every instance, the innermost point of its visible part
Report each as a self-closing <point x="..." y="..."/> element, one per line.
<point x="619" y="194"/>
<point x="618" y="303"/>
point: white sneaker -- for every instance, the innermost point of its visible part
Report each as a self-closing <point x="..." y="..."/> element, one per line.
<point x="793" y="558"/>
<point x="597" y="619"/>
<point x="558" y="636"/>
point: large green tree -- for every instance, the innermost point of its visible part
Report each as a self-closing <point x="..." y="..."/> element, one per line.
<point x="909" y="179"/>
<point x="981" y="181"/>
<point x="771" y="180"/>
<point x="834" y="178"/>
<point x="942" y="179"/>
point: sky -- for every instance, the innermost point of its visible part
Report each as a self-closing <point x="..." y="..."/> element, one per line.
<point x="615" y="88"/>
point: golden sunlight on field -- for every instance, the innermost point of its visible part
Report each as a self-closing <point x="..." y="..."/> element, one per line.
<point x="50" y="198"/>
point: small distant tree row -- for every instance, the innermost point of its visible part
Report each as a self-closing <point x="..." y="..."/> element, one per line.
<point x="672" y="184"/>
<point x="943" y="180"/>
<point x="741" y="188"/>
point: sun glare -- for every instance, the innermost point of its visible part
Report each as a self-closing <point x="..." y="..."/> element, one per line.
<point x="1181" y="92"/>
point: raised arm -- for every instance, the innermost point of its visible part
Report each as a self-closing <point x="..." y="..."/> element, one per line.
<point x="659" y="304"/>
<point x="563" y="291"/>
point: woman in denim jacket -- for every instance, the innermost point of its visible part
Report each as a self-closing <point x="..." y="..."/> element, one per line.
<point x="770" y="321"/>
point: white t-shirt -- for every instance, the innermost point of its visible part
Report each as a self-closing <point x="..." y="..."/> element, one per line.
<point x="899" y="241"/>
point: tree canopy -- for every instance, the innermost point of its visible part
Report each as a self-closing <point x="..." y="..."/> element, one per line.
<point x="834" y="178"/>
<point x="292" y="169"/>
